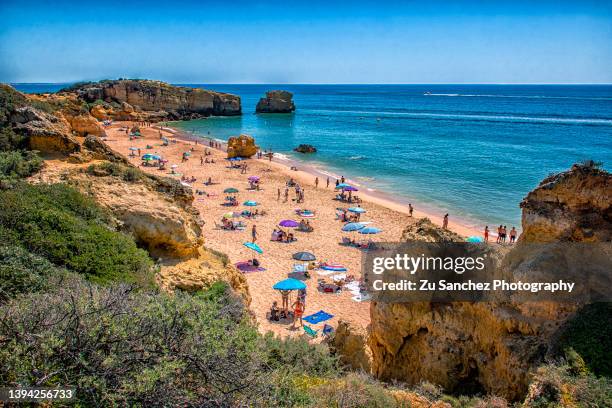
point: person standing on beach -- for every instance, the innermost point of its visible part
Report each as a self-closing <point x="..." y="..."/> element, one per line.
<point x="201" y="160"/>
<point x="278" y="194"/>
<point x="342" y="178"/>
<point x="337" y="182"/>
<point x="254" y="233"/>
<point x="499" y="234"/>
<point x="286" y="194"/>
<point x="486" y="233"/>
<point x="327" y="185"/>
<point x="512" y="235"/>
<point x="410" y="209"/>
<point x="445" y="221"/>
<point x="504" y="232"/>
<point x="316" y="182"/>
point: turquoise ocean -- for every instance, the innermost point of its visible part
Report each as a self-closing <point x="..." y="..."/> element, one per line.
<point x="471" y="150"/>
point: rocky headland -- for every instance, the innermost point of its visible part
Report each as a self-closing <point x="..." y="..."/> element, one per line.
<point x="132" y="99"/>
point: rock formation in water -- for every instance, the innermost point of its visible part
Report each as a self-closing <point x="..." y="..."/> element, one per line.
<point x="305" y="148"/>
<point x="276" y="102"/>
<point x="127" y="99"/>
<point x="492" y="347"/>
<point x="241" y="146"/>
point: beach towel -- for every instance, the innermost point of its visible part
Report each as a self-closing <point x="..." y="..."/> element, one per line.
<point x="312" y="333"/>
<point x="333" y="267"/>
<point x="325" y="273"/>
<point x="318" y="317"/>
<point x="245" y="267"/>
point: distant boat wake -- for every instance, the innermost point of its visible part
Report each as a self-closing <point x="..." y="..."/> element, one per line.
<point x="474" y="117"/>
<point x="517" y="96"/>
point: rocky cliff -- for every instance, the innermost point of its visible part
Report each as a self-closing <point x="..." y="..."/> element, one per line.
<point x="575" y="205"/>
<point x="276" y="102"/>
<point x="492" y="347"/>
<point x="154" y="100"/>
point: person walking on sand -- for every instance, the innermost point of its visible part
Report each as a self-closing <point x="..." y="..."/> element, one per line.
<point x="486" y="233"/>
<point x="278" y="194"/>
<point x="327" y="185"/>
<point x="254" y="233"/>
<point x="316" y="182"/>
<point x="445" y="221"/>
<point x="410" y="209"/>
<point x="513" y="235"/>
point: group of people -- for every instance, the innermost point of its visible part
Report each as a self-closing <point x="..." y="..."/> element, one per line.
<point x="283" y="312"/>
<point x="502" y="234"/>
<point x="282" y="236"/>
<point x="305" y="226"/>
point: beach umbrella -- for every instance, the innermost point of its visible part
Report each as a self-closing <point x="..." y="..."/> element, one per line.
<point x="370" y="230"/>
<point x="150" y="156"/>
<point x="353" y="226"/>
<point x="350" y="188"/>
<point x="230" y="190"/>
<point x="357" y="210"/>
<point x="343" y="185"/>
<point x="231" y="215"/>
<point x="250" y="203"/>
<point x="474" y="239"/>
<point x="288" y="223"/>
<point x="304" y="256"/>
<point x="254" y="178"/>
<point x="336" y="267"/>
<point x="306" y="214"/>
<point x="289" y="284"/>
<point x="253" y="246"/>
<point x="133" y="149"/>
<point x="232" y="159"/>
<point x="174" y="166"/>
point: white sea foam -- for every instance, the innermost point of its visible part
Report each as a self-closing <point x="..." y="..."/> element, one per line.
<point x="357" y="157"/>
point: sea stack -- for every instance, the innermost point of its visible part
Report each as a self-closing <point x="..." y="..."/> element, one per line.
<point x="276" y="102"/>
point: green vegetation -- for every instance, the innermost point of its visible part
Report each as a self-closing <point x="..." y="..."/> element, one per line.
<point x="129" y="174"/>
<point x="70" y="230"/>
<point x="589" y="333"/>
<point x="121" y="347"/>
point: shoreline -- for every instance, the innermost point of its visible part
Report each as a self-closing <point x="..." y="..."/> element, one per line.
<point x="307" y="172"/>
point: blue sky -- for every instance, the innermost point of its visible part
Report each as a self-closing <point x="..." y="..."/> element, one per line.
<point x="307" y="41"/>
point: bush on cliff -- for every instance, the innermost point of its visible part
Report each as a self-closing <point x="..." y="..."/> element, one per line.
<point x="122" y="347"/>
<point x="58" y="223"/>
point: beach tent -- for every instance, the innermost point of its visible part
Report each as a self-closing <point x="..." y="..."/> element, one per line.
<point x="253" y="246"/>
<point x="353" y="226"/>
<point x="304" y="256"/>
<point x="230" y="190"/>
<point x="289" y="284"/>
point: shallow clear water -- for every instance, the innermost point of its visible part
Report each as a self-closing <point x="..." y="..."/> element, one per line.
<point x="471" y="150"/>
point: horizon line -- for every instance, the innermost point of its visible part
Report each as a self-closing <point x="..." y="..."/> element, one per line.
<point x="317" y="83"/>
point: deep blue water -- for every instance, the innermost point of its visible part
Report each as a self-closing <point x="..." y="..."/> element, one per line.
<point x="471" y="150"/>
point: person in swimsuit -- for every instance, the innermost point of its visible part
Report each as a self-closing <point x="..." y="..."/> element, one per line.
<point x="445" y="221"/>
<point x="410" y="209"/>
<point x="513" y="235"/>
<point x="486" y="234"/>
<point x="298" y="311"/>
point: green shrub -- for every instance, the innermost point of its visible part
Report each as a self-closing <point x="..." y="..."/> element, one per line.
<point x="23" y="272"/>
<point x="15" y="165"/>
<point x="70" y="230"/>
<point x="589" y="333"/>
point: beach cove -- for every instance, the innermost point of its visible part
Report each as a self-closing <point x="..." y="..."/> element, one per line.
<point x="276" y="260"/>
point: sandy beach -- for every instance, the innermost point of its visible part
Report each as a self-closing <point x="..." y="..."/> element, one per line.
<point x="276" y="260"/>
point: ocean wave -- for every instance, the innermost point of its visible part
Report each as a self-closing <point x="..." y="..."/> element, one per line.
<point x="585" y="98"/>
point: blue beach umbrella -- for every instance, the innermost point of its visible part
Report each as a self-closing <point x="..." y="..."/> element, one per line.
<point x="232" y="159"/>
<point x="357" y="210"/>
<point x="150" y="156"/>
<point x="253" y="246"/>
<point x="474" y="239"/>
<point x="250" y="203"/>
<point x="370" y="230"/>
<point x="353" y="226"/>
<point x="343" y="185"/>
<point x="289" y="284"/>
